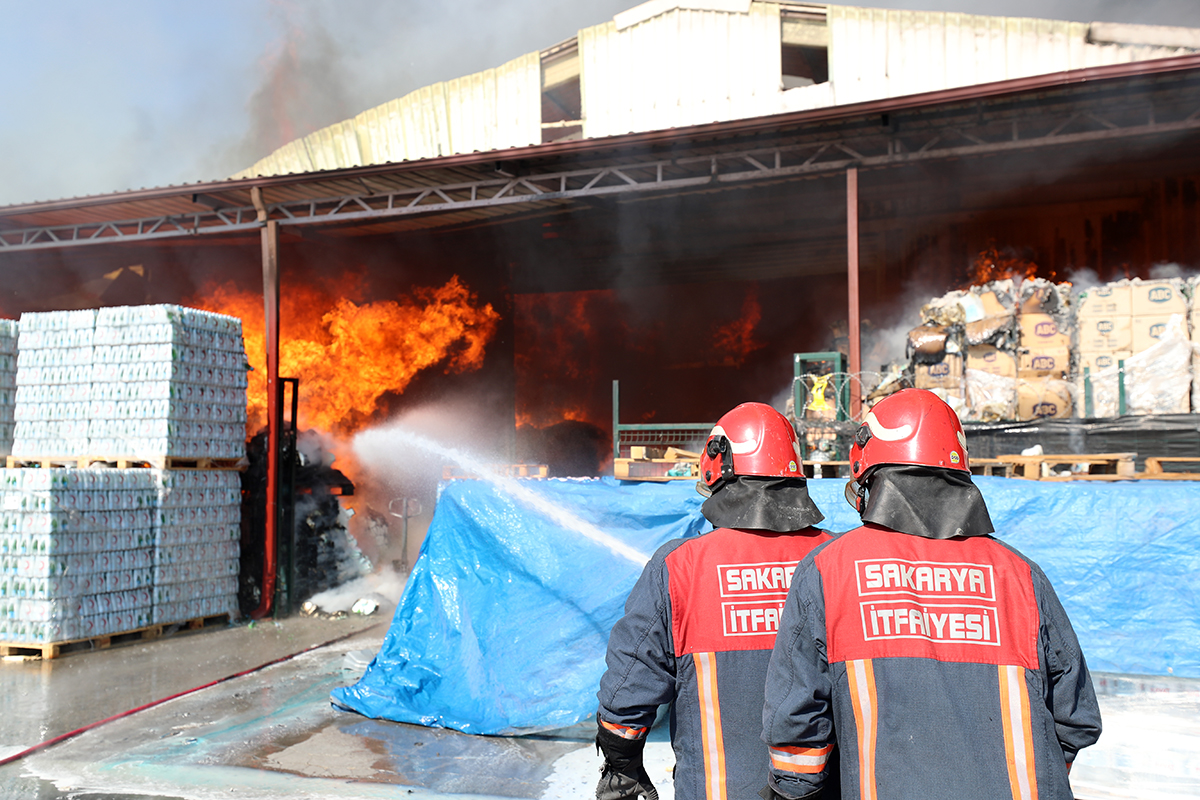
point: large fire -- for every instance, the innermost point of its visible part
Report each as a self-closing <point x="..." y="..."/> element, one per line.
<point x="994" y="264"/>
<point x="733" y="343"/>
<point x="349" y="355"/>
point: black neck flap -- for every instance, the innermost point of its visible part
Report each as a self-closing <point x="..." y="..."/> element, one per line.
<point x="764" y="504"/>
<point x="926" y="501"/>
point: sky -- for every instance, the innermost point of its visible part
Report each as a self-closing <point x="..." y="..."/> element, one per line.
<point x="108" y="95"/>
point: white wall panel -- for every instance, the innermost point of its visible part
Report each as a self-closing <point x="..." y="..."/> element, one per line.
<point x="877" y="53"/>
<point x="671" y="63"/>
<point x="681" y="67"/>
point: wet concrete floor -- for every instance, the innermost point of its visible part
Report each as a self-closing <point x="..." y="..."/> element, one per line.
<point x="272" y="733"/>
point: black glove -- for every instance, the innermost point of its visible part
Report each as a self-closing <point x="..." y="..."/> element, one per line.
<point x="622" y="777"/>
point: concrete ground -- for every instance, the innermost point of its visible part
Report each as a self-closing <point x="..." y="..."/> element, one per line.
<point x="272" y="733"/>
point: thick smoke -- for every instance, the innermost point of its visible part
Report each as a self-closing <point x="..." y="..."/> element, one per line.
<point x="199" y="91"/>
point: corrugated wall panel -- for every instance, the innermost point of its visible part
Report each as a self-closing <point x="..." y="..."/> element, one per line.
<point x="876" y="53"/>
<point x="519" y="102"/>
<point x="490" y="110"/>
<point x="685" y="66"/>
<point x="682" y="67"/>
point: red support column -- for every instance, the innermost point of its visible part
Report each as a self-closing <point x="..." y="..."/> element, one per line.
<point x="852" y="291"/>
<point x="270" y="266"/>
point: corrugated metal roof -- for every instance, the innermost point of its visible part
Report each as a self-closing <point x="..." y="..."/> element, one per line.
<point x="490" y="110"/>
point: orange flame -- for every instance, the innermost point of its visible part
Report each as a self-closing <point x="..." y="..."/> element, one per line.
<point x="733" y="343"/>
<point x="993" y="264"/>
<point x="348" y="355"/>
<point x="556" y="347"/>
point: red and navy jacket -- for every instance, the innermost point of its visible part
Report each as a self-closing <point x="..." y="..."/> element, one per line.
<point x="940" y="668"/>
<point x="698" y="630"/>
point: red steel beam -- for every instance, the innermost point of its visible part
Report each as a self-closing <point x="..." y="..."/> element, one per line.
<point x="270" y="266"/>
<point x="852" y="291"/>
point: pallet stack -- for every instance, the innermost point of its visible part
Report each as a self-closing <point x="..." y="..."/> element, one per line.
<point x="196" y="544"/>
<point x="90" y="550"/>
<point x="8" y="383"/>
<point x="77" y="548"/>
<point x="54" y="382"/>
<point x="167" y="381"/>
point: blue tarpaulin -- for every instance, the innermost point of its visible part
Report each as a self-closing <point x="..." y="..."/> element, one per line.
<point x="503" y="624"/>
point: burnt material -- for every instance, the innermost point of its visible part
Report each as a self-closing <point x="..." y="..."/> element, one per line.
<point x="323" y="552"/>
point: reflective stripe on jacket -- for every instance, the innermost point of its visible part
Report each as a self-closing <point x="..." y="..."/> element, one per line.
<point x="941" y="668"/>
<point x="698" y="630"/>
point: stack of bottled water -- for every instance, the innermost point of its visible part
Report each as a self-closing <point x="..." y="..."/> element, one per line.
<point x="130" y="381"/>
<point x="76" y="553"/>
<point x="196" y="544"/>
<point x="54" y="380"/>
<point x="167" y="381"/>
<point x="8" y="383"/>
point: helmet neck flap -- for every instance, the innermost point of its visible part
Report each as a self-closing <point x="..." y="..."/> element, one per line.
<point x="774" y="504"/>
<point x="931" y="502"/>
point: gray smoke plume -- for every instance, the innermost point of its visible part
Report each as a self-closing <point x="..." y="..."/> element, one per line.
<point x="197" y="92"/>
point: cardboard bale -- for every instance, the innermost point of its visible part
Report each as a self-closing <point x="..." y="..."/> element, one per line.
<point x="1041" y="332"/>
<point x="992" y="360"/>
<point x="1043" y="398"/>
<point x="927" y="342"/>
<point x="1048" y="363"/>
<point x="1102" y="373"/>
<point x="944" y="374"/>
<point x="1040" y="296"/>
<point x="1157" y="380"/>
<point x="1148" y="330"/>
<point x="1157" y="298"/>
<point x="1110" y="300"/>
<point x="1101" y="333"/>
<point x="990" y="397"/>
<point x="1098" y="360"/>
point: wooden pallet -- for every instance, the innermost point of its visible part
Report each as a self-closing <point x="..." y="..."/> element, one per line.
<point x="826" y="469"/>
<point x="655" y="469"/>
<point x="1098" y="466"/>
<point x="991" y="466"/>
<point x="1154" y="470"/>
<point x="126" y="462"/>
<point x="49" y="650"/>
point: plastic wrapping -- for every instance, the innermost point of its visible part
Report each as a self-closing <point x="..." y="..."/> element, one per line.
<point x="504" y="623"/>
<point x="1157" y="380"/>
<point x="990" y="397"/>
<point x="1001" y="331"/>
<point x="927" y="343"/>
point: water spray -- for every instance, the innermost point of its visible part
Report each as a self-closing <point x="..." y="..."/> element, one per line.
<point x="519" y="491"/>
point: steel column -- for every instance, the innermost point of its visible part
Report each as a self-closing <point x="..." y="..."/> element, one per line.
<point x="852" y="291"/>
<point x="270" y="267"/>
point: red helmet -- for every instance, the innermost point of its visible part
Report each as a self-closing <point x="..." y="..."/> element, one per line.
<point x="752" y="439"/>
<point x="912" y="426"/>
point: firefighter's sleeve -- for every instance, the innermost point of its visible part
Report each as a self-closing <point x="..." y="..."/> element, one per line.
<point x="797" y="711"/>
<point x="1071" y="697"/>
<point x="640" y="674"/>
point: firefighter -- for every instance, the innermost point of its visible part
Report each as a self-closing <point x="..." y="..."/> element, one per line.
<point x="701" y="620"/>
<point x="918" y="654"/>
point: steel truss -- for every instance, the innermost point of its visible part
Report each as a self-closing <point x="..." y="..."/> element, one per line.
<point x="899" y="139"/>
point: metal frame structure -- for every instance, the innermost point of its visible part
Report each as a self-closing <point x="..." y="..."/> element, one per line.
<point x="671" y="434"/>
<point x="893" y="139"/>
